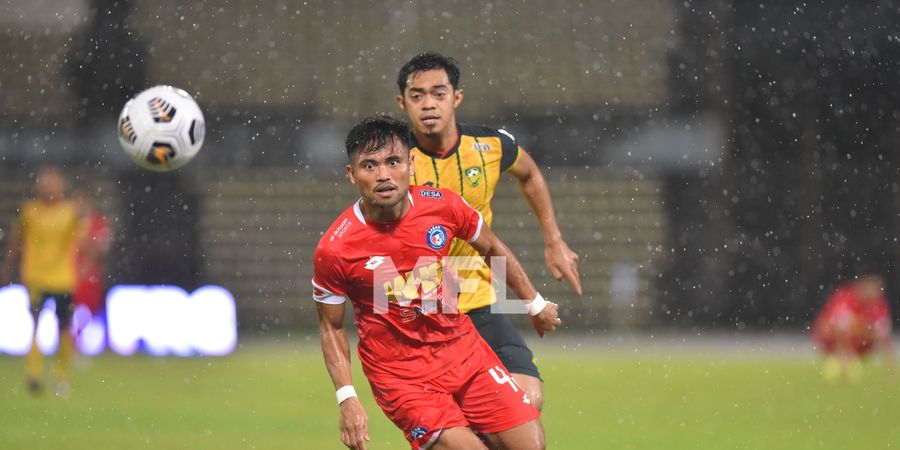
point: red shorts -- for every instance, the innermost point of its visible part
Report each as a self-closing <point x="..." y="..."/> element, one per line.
<point x="477" y="393"/>
<point x="843" y="327"/>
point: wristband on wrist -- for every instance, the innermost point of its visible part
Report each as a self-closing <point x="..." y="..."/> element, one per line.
<point x="344" y="393"/>
<point x="537" y="305"/>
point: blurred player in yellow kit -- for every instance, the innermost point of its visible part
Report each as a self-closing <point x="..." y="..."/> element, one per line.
<point x="43" y="240"/>
<point x="470" y="160"/>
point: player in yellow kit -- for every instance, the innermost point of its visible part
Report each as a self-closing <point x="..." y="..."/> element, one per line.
<point x="44" y="237"/>
<point x="470" y="160"/>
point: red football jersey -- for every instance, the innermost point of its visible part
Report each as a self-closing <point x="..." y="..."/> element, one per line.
<point x="845" y="309"/>
<point x="393" y="274"/>
<point x="89" y="283"/>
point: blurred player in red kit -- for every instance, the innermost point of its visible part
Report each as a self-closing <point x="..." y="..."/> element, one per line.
<point x="854" y="322"/>
<point x="91" y="253"/>
<point x="430" y="371"/>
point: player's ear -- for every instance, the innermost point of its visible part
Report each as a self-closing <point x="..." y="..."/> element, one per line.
<point x="457" y="97"/>
<point x="350" y="174"/>
<point x="401" y="103"/>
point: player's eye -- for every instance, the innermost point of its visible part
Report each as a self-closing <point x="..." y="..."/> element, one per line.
<point x="394" y="163"/>
<point x="368" y="166"/>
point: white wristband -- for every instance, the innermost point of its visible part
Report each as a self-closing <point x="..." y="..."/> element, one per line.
<point x="537" y="305"/>
<point x="344" y="393"/>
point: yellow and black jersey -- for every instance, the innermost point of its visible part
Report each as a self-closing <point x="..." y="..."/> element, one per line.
<point x="472" y="168"/>
<point x="49" y="233"/>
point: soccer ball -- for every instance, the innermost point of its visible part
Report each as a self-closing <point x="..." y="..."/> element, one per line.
<point x="161" y="128"/>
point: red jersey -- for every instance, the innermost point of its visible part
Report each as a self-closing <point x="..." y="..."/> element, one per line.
<point x="89" y="282"/>
<point x="393" y="274"/>
<point x="844" y="309"/>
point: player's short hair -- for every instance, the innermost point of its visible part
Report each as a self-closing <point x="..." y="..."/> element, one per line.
<point x="374" y="133"/>
<point x="429" y="61"/>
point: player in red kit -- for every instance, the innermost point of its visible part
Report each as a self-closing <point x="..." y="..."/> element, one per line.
<point x="430" y="371"/>
<point x="855" y="321"/>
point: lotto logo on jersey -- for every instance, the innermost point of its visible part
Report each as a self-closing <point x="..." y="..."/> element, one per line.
<point x="437" y="237"/>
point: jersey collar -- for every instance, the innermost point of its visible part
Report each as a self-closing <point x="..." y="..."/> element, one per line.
<point x="357" y="209"/>
<point x="446" y="154"/>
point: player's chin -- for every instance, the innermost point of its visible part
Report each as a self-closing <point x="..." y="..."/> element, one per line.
<point x="384" y="200"/>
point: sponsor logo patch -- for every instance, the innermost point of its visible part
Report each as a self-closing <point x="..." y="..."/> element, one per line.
<point x="428" y="193"/>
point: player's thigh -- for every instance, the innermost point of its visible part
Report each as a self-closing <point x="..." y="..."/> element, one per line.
<point x="64" y="309"/>
<point x="505" y="340"/>
<point x="490" y="399"/>
<point x="458" y="438"/>
<point x="527" y="436"/>
<point x="420" y="411"/>
<point x="532" y="386"/>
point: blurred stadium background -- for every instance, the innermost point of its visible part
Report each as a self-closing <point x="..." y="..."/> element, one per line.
<point x="718" y="165"/>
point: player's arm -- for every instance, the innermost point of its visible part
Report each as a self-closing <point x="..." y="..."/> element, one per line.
<point x="336" y="351"/>
<point x="13" y="251"/>
<point x="544" y="315"/>
<point x="560" y="259"/>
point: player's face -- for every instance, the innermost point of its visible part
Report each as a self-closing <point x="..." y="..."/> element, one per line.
<point x="382" y="176"/>
<point x="430" y="102"/>
<point x="50" y="185"/>
<point x="870" y="287"/>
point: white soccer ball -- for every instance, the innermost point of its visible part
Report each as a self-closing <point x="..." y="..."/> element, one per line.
<point x="162" y="128"/>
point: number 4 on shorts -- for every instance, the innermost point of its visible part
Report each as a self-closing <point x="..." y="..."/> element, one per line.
<point x="501" y="377"/>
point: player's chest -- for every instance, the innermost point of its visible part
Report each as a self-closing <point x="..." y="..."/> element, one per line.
<point x="408" y="248"/>
<point x="472" y="174"/>
<point x="49" y="222"/>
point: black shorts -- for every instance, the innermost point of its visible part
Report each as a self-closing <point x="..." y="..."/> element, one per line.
<point x="502" y="336"/>
<point x="64" y="306"/>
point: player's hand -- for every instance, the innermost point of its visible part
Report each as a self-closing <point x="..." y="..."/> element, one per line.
<point x="354" y="424"/>
<point x="563" y="264"/>
<point x="547" y="319"/>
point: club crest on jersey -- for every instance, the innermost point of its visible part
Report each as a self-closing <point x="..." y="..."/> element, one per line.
<point x="430" y="193"/>
<point x="473" y="175"/>
<point x="481" y="146"/>
<point x="437" y="237"/>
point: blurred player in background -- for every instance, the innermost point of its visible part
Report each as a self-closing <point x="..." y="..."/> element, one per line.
<point x="854" y="322"/>
<point x="90" y="256"/>
<point x="470" y="160"/>
<point x="43" y="241"/>
<point x="430" y="371"/>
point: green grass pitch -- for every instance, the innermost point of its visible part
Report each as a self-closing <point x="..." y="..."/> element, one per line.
<point x="276" y="395"/>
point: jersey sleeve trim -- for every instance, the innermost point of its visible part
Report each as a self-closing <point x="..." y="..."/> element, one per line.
<point x="510" y="150"/>
<point x="323" y="295"/>
<point x="516" y="160"/>
<point x="477" y="229"/>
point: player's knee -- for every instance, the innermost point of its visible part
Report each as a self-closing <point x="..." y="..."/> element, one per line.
<point x="537" y="397"/>
<point x="538" y="440"/>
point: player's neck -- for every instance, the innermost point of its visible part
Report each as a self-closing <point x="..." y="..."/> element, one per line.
<point x="439" y="144"/>
<point x="378" y="214"/>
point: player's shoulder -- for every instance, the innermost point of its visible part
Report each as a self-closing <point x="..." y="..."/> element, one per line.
<point x="337" y="234"/>
<point x="28" y="205"/>
<point x="484" y="131"/>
